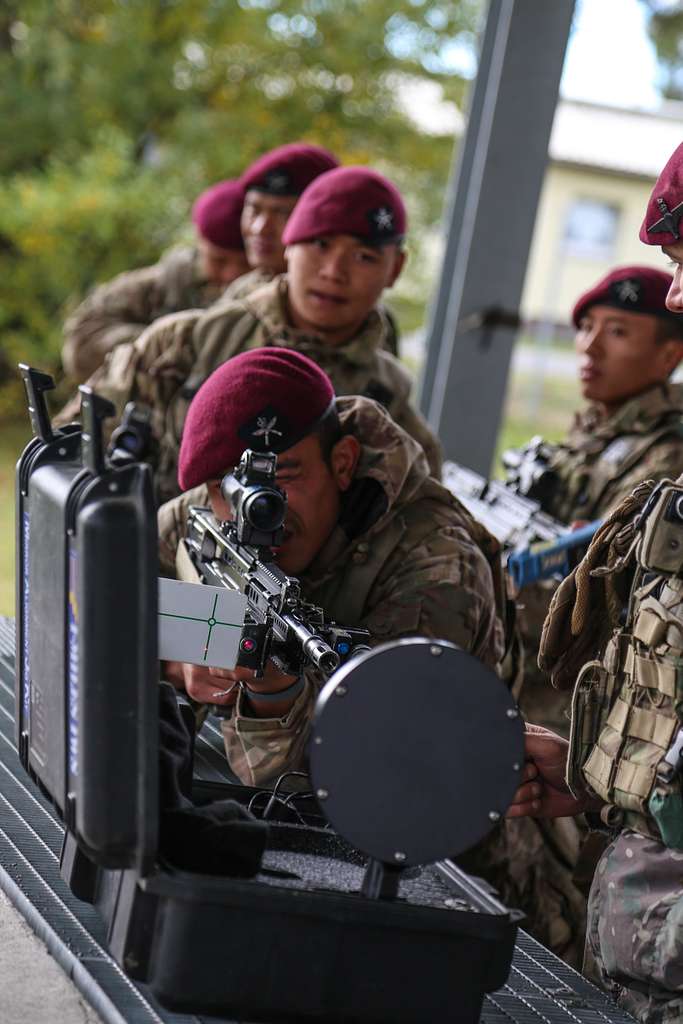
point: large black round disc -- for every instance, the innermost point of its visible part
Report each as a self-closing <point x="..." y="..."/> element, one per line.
<point x="416" y="751"/>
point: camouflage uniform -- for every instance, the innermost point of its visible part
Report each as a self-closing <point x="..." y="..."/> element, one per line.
<point x="625" y="717"/>
<point x="405" y="559"/>
<point x="247" y="283"/>
<point x="119" y="310"/>
<point x="598" y="465"/>
<point x="602" y="460"/>
<point x="168" y="363"/>
<point x="635" y="928"/>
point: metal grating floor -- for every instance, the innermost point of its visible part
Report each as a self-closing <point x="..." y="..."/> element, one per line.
<point x="540" y="990"/>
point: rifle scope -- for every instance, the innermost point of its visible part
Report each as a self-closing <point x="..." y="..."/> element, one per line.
<point x="260" y="506"/>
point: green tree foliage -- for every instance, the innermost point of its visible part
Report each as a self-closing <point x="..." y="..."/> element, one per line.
<point x="114" y="114"/>
<point x="666" y="31"/>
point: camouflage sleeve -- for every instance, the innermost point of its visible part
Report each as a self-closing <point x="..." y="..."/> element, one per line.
<point x="150" y="370"/>
<point x="416" y="425"/>
<point x="664" y="459"/>
<point x="261" y="749"/>
<point x="634" y="937"/>
<point x="112" y="314"/>
<point x="439" y="587"/>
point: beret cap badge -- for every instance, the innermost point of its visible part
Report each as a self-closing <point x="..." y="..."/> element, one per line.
<point x="629" y="290"/>
<point x="266" y="429"/>
<point x="278" y="182"/>
<point x="669" y="220"/>
<point x="381" y="221"/>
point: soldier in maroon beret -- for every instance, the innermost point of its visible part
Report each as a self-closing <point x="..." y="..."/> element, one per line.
<point x="216" y="216"/>
<point x="270" y="201"/>
<point x="272" y="186"/>
<point x="372" y="538"/>
<point x="344" y="247"/>
<point x="627" y="344"/>
<point x="186" y="277"/>
<point x="626" y="707"/>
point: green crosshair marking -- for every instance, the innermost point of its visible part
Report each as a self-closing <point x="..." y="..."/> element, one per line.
<point x="210" y="622"/>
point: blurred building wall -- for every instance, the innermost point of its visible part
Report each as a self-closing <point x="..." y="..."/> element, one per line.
<point x="602" y="168"/>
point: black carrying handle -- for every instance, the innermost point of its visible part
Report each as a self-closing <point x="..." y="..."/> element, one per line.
<point x="36" y="384"/>
<point x="94" y="411"/>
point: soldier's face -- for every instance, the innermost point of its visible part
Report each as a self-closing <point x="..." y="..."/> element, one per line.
<point x="221" y="266"/>
<point x="313" y="488"/>
<point x="620" y="354"/>
<point x="674" y="300"/>
<point x="263" y="221"/>
<point x="335" y="281"/>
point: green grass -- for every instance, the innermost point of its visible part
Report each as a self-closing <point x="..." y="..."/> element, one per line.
<point x="13" y="437"/>
<point x="559" y="397"/>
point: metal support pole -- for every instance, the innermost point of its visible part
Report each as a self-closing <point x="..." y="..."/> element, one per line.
<point x="494" y="196"/>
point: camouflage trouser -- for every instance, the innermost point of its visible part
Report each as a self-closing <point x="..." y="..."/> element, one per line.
<point x="531" y="864"/>
<point x="635" y="928"/>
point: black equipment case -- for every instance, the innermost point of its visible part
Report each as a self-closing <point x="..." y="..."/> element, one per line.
<point x="297" y="942"/>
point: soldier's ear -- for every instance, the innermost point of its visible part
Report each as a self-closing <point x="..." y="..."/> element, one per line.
<point x="671" y="354"/>
<point x="399" y="263"/>
<point x="344" y="459"/>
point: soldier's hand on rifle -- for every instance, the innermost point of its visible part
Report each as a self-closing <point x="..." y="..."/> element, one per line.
<point x="213" y="685"/>
<point x="544" y="792"/>
<point x="222" y="686"/>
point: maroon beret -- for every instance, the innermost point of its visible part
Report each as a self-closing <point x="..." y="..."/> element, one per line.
<point x="216" y="214"/>
<point x="662" y="224"/>
<point x="634" y="289"/>
<point x="266" y="399"/>
<point x="287" y="170"/>
<point x="348" y="201"/>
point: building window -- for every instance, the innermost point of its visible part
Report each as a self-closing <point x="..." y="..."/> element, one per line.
<point x="591" y="229"/>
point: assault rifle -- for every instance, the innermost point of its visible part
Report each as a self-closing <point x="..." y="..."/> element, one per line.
<point x="279" y="624"/>
<point x="535" y="546"/>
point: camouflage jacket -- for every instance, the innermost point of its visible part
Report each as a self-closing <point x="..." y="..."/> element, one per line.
<point x="602" y="460"/>
<point x="165" y="367"/>
<point x="405" y="559"/>
<point x="246" y="284"/>
<point x="119" y="310"/>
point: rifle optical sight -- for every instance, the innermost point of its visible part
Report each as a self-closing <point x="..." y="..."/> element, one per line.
<point x="260" y="505"/>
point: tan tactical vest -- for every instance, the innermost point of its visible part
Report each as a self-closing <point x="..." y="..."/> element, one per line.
<point x="627" y="707"/>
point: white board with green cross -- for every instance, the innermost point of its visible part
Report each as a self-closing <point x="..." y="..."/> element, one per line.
<point x="200" y="624"/>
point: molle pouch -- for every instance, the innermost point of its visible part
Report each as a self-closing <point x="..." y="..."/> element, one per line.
<point x="591" y="697"/>
<point x="661" y="547"/>
<point x="87" y="625"/>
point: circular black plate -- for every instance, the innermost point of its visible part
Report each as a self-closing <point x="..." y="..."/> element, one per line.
<point x="416" y="751"/>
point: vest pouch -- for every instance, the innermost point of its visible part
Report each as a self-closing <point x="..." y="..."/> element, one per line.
<point x="590" y="699"/>
<point x="666" y="808"/>
<point x="661" y="549"/>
